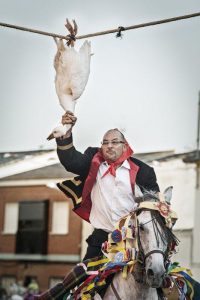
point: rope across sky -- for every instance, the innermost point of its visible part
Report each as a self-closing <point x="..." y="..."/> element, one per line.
<point x="116" y="30"/>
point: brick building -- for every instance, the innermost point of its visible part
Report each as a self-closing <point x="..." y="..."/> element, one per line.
<point x="40" y="236"/>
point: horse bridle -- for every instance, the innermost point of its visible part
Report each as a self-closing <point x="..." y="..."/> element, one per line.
<point x="141" y="256"/>
<point x="144" y="256"/>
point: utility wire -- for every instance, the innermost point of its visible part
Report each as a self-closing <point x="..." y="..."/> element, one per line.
<point x="116" y="30"/>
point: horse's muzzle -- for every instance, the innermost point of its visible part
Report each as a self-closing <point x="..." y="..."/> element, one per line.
<point x="155" y="278"/>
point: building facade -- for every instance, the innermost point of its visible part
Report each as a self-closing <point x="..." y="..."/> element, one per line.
<point x="40" y="236"/>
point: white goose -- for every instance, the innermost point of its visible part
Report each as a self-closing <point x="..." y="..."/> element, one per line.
<point x="72" y="72"/>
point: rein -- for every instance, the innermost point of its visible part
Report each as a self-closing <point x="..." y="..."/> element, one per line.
<point x="154" y="251"/>
<point x="115" y="291"/>
<point x="141" y="251"/>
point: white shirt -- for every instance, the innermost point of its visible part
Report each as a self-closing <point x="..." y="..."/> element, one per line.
<point x="112" y="197"/>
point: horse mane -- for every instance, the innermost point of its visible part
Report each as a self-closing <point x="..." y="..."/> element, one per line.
<point x="168" y="236"/>
<point x="147" y="196"/>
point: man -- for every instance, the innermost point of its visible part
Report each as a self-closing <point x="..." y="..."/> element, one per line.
<point x="104" y="191"/>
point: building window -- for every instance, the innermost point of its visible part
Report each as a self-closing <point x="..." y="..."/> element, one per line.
<point x="32" y="231"/>
<point x="11" y="218"/>
<point x="60" y="218"/>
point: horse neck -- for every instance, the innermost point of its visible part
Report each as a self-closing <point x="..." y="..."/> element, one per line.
<point x="129" y="289"/>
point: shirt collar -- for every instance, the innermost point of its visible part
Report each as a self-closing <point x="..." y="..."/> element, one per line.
<point x="125" y="164"/>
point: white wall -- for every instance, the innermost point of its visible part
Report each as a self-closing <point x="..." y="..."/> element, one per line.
<point x="184" y="255"/>
<point x="182" y="177"/>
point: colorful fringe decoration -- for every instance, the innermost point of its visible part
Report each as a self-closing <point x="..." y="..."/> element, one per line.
<point x="186" y="286"/>
<point x="116" y="236"/>
<point x="89" y="286"/>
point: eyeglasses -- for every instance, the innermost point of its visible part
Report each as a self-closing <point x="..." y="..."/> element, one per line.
<point x="113" y="143"/>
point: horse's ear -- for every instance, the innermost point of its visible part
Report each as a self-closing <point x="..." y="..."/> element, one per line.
<point x="168" y="194"/>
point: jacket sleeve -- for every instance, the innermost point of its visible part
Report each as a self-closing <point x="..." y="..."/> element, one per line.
<point x="150" y="182"/>
<point x="146" y="177"/>
<point x="73" y="160"/>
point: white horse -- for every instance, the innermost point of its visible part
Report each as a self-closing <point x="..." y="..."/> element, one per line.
<point x="154" y="240"/>
<point x="148" y="232"/>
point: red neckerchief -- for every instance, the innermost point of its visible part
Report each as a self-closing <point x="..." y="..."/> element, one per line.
<point x="113" y="165"/>
<point x="84" y="209"/>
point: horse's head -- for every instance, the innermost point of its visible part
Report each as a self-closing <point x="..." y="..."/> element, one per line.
<point x="154" y="235"/>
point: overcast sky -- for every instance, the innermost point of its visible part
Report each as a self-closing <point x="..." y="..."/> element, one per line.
<point x="146" y="83"/>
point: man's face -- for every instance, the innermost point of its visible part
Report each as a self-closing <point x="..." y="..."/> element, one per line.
<point x="113" y="145"/>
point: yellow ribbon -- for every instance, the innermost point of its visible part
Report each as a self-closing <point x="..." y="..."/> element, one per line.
<point x="98" y="262"/>
<point x="180" y="269"/>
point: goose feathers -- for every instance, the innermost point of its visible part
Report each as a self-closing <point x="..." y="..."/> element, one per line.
<point x="72" y="72"/>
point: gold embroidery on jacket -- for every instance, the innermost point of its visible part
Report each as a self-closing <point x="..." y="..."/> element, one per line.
<point x="66" y="147"/>
<point x="78" y="200"/>
<point x="76" y="182"/>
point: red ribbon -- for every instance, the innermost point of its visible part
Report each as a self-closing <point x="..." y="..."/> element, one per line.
<point x="113" y="165"/>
